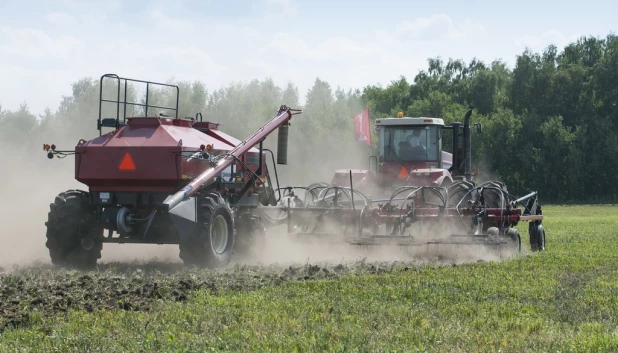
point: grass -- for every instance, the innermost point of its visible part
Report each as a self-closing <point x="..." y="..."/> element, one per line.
<point x="561" y="300"/>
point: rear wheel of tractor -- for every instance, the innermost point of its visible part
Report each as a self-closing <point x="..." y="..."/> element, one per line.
<point x="69" y="220"/>
<point x="211" y="243"/>
<point x="515" y="238"/>
<point x="457" y="191"/>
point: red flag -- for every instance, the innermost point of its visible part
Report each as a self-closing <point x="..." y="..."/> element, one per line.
<point x="361" y="127"/>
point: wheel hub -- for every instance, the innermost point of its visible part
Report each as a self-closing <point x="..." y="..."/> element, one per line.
<point x="219" y="235"/>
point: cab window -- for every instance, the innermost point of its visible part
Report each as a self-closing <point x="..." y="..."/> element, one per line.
<point x="417" y="143"/>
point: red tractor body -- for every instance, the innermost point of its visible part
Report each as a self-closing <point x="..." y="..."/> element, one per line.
<point x="409" y="154"/>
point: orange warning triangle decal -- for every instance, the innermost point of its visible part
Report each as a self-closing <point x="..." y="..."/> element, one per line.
<point x="127" y="163"/>
<point x="403" y="173"/>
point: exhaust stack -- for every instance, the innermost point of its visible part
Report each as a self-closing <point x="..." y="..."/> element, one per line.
<point x="467" y="143"/>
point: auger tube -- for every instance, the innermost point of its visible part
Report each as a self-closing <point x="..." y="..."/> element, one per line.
<point x="284" y="115"/>
<point x="523" y="198"/>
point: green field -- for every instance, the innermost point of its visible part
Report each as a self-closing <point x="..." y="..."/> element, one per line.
<point x="561" y="300"/>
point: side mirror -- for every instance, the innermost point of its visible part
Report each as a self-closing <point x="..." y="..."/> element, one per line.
<point x="478" y="128"/>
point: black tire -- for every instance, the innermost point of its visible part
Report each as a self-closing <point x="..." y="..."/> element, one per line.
<point x="513" y="235"/>
<point x="69" y="220"/>
<point x="458" y="191"/>
<point x="537" y="237"/>
<point x="532" y="232"/>
<point x="493" y="197"/>
<point x="540" y="237"/>
<point x="210" y="245"/>
<point x="266" y="195"/>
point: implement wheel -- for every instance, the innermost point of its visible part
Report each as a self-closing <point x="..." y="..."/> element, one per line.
<point x="211" y="243"/>
<point x="69" y="220"/>
<point x="537" y="236"/>
<point x="250" y="236"/>
<point x="513" y="235"/>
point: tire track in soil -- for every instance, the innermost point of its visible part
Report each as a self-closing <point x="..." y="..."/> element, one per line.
<point x="135" y="287"/>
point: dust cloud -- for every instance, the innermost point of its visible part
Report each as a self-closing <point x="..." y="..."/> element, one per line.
<point x="317" y="162"/>
<point x="32" y="181"/>
<point x="283" y="248"/>
<point x="30" y="186"/>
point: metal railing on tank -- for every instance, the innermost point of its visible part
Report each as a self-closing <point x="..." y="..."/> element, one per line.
<point x="115" y="123"/>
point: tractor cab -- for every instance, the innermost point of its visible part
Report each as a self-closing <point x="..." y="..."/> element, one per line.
<point x="410" y="153"/>
<point x="410" y="146"/>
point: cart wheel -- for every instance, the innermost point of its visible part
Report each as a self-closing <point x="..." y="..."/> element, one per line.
<point x="70" y="221"/>
<point x="211" y="244"/>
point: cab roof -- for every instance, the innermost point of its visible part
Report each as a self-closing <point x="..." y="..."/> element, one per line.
<point x="409" y="121"/>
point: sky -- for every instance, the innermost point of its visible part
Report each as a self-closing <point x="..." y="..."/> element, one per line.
<point x="45" y="46"/>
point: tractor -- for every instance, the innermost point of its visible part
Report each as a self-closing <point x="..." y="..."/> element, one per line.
<point x="410" y="152"/>
<point x="164" y="180"/>
<point x="412" y="184"/>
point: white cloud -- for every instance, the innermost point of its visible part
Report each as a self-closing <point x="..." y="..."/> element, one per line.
<point x="60" y="18"/>
<point x="44" y="61"/>
<point x="228" y="53"/>
<point x="94" y="6"/>
<point x="163" y="21"/>
<point x="340" y="61"/>
<point x="439" y="26"/>
<point x="215" y="53"/>
<point x="335" y="49"/>
<point x="30" y="56"/>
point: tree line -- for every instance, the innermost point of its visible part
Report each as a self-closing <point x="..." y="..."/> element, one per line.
<point x="548" y="123"/>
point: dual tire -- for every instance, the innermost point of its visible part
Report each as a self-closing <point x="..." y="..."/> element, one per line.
<point x="211" y="243"/>
<point x="69" y="221"/>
